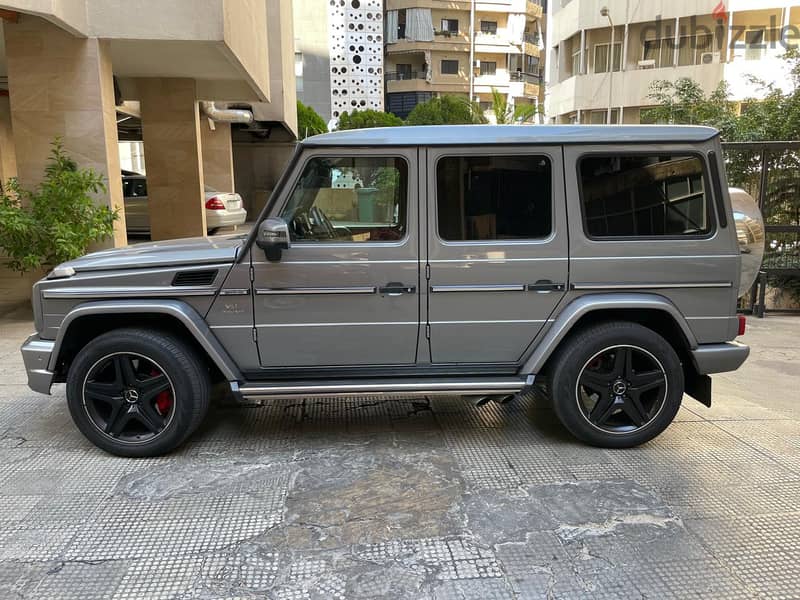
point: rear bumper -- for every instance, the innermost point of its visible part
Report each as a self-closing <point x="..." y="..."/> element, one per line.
<point x="225" y="218"/>
<point x="36" y="355"/>
<point x="719" y="358"/>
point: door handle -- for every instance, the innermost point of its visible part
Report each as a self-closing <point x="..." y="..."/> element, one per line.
<point x="545" y="285"/>
<point x="396" y="289"/>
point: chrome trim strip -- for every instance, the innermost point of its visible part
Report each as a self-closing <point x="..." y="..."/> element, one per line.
<point x="235" y="292"/>
<point x="313" y="291"/>
<point x="268" y="325"/>
<point x="650" y="286"/>
<point x="495" y="322"/>
<point x="658" y="256"/>
<point x="390" y="387"/>
<point x="127" y="292"/>
<point x="478" y="288"/>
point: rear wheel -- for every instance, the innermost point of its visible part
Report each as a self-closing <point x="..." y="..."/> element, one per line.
<point x="135" y="392"/>
<point x="617" y="384"/>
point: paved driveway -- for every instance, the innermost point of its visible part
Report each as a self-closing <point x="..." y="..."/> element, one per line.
<point x="410" y="499"/>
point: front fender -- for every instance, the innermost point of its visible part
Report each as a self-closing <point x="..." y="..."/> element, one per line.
<point x="176" y="309"/>
<point x="584" y="305"/>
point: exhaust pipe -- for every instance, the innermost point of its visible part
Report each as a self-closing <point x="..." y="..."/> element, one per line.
<point x="226" y="115"/>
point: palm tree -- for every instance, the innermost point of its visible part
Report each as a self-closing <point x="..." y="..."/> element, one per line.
<point x="506" y="115"/>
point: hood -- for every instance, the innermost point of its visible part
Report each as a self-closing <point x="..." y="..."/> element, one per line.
<point x="188" y="251"/>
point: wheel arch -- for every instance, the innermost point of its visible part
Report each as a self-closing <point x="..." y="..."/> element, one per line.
<point x="88" y="320"/>
<point x="650" y="310"/>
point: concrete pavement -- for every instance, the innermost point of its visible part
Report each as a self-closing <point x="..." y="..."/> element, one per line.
<point x="421" y="498"/>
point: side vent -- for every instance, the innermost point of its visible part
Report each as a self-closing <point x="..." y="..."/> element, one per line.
<point x="194" y="278"/>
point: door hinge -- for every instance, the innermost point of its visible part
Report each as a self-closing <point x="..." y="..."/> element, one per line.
<point x="252" y="274"/>
<point x="255" y="334"/>
<point x="428" y="271"/>
<point x="428" y="330"/>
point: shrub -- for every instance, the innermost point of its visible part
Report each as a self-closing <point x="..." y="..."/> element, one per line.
<point x="58" y="220"/>
<point x="446" y="110"/>
<point x="365" y="119"/>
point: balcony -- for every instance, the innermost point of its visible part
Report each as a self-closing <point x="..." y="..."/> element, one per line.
<point x="531" y="38"/>
<point x="525" y="77"/>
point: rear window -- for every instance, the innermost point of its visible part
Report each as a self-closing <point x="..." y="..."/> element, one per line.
<point x="642" y="195"/>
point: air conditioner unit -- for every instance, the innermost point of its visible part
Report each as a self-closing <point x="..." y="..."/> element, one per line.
<point x="707" y="58"/>
<point x="650" y="63"/>
<point x="476" y="64"/>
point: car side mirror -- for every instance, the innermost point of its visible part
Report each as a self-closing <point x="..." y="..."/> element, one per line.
<point x="273" y="238"/>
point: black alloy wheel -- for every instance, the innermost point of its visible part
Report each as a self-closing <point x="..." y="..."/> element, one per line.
<point x="138" y="391"/>
<point x="621" y="389"/>
<point x="128" y="397"/>
<point x="616" y="384"/>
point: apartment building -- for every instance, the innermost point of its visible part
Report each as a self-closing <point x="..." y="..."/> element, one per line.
<point x="705" y="40"/>
<point x="435" y="47"/>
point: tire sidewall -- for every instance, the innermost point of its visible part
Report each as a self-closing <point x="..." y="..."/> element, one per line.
<point x="576" y="353"/>
<point x="178" y="363"/>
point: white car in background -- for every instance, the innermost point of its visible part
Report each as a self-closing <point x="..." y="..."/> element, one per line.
<point x="223" y="209"/>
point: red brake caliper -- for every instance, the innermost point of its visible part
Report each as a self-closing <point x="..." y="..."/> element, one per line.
<point x="164" y="399"/>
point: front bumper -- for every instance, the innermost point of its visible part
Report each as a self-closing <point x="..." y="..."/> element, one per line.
<point x="719" y="358"/>
<point x="36" y="355"/>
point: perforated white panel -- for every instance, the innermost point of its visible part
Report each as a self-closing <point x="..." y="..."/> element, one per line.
<point x="356" y="49"/>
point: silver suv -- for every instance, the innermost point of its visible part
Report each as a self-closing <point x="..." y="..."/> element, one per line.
<point x="601" y="263"/>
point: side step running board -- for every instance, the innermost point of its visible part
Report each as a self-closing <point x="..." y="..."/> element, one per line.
<point x="394" y="387"/>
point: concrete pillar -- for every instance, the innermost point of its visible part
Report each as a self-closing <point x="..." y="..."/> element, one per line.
<point x="62" y="86"/>
<point x="8" y="154"/>
<point x="173" y="157"/>
<point x="217" y="155"/>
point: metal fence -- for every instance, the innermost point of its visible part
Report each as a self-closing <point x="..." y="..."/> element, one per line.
<point x="770" y="172"/>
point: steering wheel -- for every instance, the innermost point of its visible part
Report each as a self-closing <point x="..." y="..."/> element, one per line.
<point x="318" y="215"/>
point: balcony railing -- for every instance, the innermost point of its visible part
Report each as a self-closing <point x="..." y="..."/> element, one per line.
<point x="526" y="77"/>
<point x="404" y="75"/>
<point x="531" y="38"/>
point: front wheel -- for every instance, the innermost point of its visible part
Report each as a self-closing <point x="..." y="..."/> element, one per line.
<point x="617" y="384"/>
<point x="136" y="392"/>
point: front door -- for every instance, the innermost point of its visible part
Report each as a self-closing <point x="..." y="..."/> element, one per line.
<point x="346" y="291"/>
<point x="496" y="250"/>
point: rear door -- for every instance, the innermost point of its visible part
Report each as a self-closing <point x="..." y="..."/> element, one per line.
<point x="346" y="292"/>
<point x="497" y="246"/>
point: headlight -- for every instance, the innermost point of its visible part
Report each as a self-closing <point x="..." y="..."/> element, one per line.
<point x="61" y="272"/>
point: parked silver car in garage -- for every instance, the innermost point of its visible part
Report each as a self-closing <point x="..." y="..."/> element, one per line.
<point x="223" y="209"/>
<point x="471" y="260"/>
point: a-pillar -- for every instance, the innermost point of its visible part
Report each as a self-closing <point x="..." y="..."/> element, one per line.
<point x="61" y="86"/>
<point x="217" y="154"/>
<point x="173" y="157"/>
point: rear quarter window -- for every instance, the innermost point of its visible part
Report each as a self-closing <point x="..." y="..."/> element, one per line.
<point x="645" y="195"/>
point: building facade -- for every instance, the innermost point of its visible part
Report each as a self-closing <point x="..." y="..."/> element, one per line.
<point x="707" y="41"/>
<point x="429" y="51"/>
<point x="95" y="72"/>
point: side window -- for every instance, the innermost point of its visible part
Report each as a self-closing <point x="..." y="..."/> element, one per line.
<point x="349" y="199"/>
<point x="644" y="196"/>
<point x="494" y="197"/>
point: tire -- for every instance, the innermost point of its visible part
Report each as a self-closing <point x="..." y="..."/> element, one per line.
<point x="606" y="399"/>
<point x="137" y="392"/>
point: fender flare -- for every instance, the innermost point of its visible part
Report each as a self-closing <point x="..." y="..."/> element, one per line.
<point x="176" y="309"/>
<point x="589" y="303"/>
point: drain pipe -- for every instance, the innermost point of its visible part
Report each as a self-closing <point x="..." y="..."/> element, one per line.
<point x="226" y="115"/>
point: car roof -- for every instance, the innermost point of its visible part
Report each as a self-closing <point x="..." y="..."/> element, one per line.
<point x="454" y="135"/>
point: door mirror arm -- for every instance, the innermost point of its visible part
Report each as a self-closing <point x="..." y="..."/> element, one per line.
<point x="273" y="238"/>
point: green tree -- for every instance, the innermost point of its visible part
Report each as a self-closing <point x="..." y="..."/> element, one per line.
<point x="683" y="101"/>
<point x="365" y="119"/>
<point x="309" y="122"/>
<point x="446" y="110"/>
<point x="505" y="114"/>
<point x="58" y="220"/>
